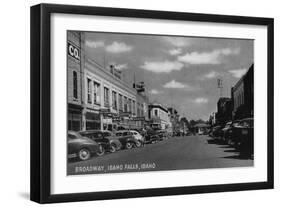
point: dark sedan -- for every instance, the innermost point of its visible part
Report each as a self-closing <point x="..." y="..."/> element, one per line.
<point x="216" y="132"/>
<point x="227" y="133"/>
<point x="126" y="138"/>
<point x="101" y="137"/>
<point x="152" y="136"/>
<point x="80" y="147"/>
<point x="115" y="144"/>
<point x="242" y="135"/>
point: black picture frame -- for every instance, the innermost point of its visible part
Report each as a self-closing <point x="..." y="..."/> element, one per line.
<point x="40" y="102"/>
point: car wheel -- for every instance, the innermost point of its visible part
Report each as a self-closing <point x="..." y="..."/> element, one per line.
<point x="84" y="154"/>
<point x="138" y="144"/>
<point x="101" y="150"/>
<point x="129" y="145"/>
<point x="112" y="148"/>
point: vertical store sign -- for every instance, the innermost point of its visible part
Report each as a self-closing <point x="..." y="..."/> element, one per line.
<point x="73" y="51"/>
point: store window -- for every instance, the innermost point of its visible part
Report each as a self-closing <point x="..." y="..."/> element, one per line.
<point x="142" y="109"/>
<point x="74" y="121"/>
<point x="125" y="104"/>
<point x="155" y="112"/>
<point x="120" y="102"/>
<point x="114" y="100"/>
<point x="106" y="97"/>
<point x="130" y="105"/>
<point x="97" y="93"/>
<point x="75" y="85"/>
<point x="89" y="91"/>
<point x="134" y="107"/>
<point x="93" y="121"/>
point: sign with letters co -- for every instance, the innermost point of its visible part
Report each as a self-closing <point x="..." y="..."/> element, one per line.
<point x="73" y="51"/>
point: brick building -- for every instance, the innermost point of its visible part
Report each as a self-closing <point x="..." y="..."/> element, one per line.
<point x="243" y="96"/>
<point x="98" y="97"/>
<point x="224" y="110"/>
<point x="75" y="60"/>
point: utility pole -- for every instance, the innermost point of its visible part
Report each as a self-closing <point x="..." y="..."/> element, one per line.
<point x="220" y="86"/>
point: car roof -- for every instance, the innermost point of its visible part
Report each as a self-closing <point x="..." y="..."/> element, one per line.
<point x="217" y="126"/>
<point x="247" y="119"/>
<point x="72" y="132"/>
<point x="133" y="131"/>
<point x="89" y="131"/>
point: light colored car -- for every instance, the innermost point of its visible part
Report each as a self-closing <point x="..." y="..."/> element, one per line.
<point x="138" y="137"/>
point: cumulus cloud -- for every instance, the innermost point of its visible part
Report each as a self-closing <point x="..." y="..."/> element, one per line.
<point x="162" y="67"/>
<point x="178" y="41"/>
<point x="213" y="57"/>
<point x="176" y="51"/>
<point x="94" y="44"/>
<point x="122" y="66"/>
<point x="238" y="73"/>
<point x="210" y="75"/>
<point x="118" y="47"/>
<point x="177" y="85"/>
<point x="155" y="91"/>
<point x="201" y="100"/>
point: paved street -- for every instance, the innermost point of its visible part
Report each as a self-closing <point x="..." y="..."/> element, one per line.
<point x="190" y="152"/>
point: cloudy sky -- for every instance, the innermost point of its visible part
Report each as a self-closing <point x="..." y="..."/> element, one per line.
<point x="177" y="71"/>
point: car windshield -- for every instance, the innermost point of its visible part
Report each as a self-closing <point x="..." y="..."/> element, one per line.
<point x="92" y="135"/>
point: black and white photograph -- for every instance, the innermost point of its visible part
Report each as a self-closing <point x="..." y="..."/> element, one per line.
<point x="149" y="102"/>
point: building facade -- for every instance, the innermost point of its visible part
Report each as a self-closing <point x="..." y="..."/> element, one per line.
<point x="159" y="116"/>
<point x="224" y="110"/>
<point x="97" y="97"/>
<point x="107" y="98"/>
<point x="142" y="110"/>
<point x="74" y="80"/>
<point x="174" y="119"/>
<point x="242" y="95"/>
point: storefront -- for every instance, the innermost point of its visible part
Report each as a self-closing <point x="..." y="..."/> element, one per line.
<point x="93" y="120"/>
<point x="74" y="117"/>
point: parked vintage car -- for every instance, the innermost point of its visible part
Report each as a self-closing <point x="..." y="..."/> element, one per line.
<point x="138" y="137"/>
<point x="115" y="144"/>
<point x="81" y="147"/>
<point x="106" y="144"/>
<point x="242" y="136"/>
<point x="227" y="133"/>
<point x="126" y="138"/>
<point x="162" y="134"/>
<point x="152" y="136"/>
<point x="216" y="132"/>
